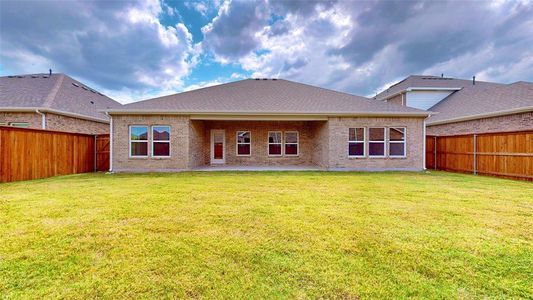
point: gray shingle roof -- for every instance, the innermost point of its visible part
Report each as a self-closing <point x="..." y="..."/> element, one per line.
<point x="428" y="81"/>
<point x="474" y="100"/>
<point x="263" y="96"/>
<point x="58" y="92"/>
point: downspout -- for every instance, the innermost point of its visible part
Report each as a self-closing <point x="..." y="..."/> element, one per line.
<point x="110" y="142"/>
<point x="424" y="147"/>
<point x="403" y="102"/>
<point x="43" y="119"/>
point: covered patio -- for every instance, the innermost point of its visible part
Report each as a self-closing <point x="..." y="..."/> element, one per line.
<point x="248" y="144"/>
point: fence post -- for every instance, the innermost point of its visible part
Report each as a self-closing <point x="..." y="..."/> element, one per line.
<point x="475" y="154"/>
<point x="435" y="152"/>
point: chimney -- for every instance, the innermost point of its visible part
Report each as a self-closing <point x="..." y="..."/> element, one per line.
<point x="50" y="72"/>
<point x="441" y="75"/>
<point x="473" y="80"/>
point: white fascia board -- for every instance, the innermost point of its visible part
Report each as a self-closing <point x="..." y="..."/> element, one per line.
<point x="54" y="111"/>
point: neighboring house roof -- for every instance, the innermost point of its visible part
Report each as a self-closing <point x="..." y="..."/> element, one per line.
<point x="481" y="101"/>
<point x="266" y="96"/>
<point x="57" y="93"/>
<point x="421" y="82"/>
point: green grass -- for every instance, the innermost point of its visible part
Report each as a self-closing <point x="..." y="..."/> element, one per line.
<point x="267" y="235"/>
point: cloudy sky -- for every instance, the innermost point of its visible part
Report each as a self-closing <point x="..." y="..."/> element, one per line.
<point x="136" y="50"/>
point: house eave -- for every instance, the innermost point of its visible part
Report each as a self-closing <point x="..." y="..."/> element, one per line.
<point x="54" y="111"/>
<point x="482" y="116"/>
<point x="268" y="115"/>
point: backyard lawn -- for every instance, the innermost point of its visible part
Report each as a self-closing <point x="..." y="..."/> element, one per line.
<point x="267" y="235"/>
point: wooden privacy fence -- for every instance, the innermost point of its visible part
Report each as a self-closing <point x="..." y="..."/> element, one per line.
<point x="504" y="154"/>
<point x="34" y="153"/>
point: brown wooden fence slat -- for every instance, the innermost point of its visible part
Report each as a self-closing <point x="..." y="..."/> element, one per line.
<point x="34" y="153"/>
<point x="504" y="154"/>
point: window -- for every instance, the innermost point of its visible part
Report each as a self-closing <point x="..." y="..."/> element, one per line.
<point x="19" y="124"/>
<point x="244" y="145"/>
<point x="274" y="143"/>
<point x="138" y="141"/>
<point x="396" y="142"/>
<point x="376" y="142"/>
<point x="161" y="141"/>
<point x="291" y="143"/>
<point x="356" y="142"/>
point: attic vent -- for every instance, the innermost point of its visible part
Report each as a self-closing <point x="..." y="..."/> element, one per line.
<point x="34" y="76"/>
<point x="257" y="79"/>
<point x="92" y="102"/>
<point x="265" y="78"/>
<point x="46" y="76"/>
<point x="93" y="91"/>
<point x="20" y="76"/>
<point x="10" y="76"/>
<point x="274" y="79"/>
<point x="100" y="94"/>
<point x="75" y="84"/>
<point x="84" y="87"/>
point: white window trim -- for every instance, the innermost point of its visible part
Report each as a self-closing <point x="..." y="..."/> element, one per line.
<point x="297" y="143"/>
<point x="357" y="142"/>
<point x="237" y="143"/>
<point x="161" y="141"/>
<point x="280" y="143"/>
<point x="17" y="124"/>
<point x="397" y="142"/>
<point x="142" y="141"/>
<point x="384" y="141"/>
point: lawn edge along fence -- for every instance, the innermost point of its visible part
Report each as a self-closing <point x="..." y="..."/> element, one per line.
<point x="27" y="153"/>
<point x="501" y="154"/>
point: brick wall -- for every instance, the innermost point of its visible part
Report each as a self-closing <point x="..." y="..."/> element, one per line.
<point x="64" y="123"/>
<point x="179" y="145"/>
<point x="321" y="148"/>
<point x="515" y="122"/>
<point x="338" y="144"/>
<point x="198" y="143"/>
<point x="56" y="122"/>
<point x="321" y="144"/>
<point x="33" y="119"/>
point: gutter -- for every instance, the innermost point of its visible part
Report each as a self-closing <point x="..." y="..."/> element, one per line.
<point x="43" y="119"/>
<point x="271" y="114"/>
<point x="54" y="111"/>
<point x="110" y="142"/>
<point x="483" y="115"/>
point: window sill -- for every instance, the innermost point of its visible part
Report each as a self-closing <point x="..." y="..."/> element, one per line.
<point x="138" y="157"/>
<point x="161" y="157"/>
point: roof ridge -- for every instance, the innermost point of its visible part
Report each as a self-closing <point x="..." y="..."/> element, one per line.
<point x="53" y="92"/>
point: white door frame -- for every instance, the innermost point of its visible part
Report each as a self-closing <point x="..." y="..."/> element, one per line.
<point x="212" y="146"/>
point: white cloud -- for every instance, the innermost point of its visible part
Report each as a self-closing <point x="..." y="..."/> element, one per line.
<point x="119" y="45"/>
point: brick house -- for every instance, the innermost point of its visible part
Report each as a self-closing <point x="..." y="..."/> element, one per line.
<point x="54" y="102"/>
<point x="266" y="123"/>
<point x="465" y="106"/>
